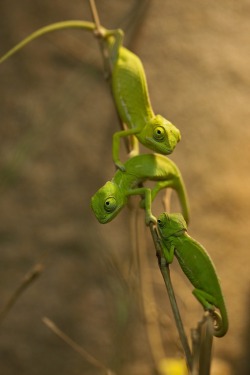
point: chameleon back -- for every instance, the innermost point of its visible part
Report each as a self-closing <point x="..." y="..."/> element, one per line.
<point x="197" y="264"/>
<point x="130" y="89"/>
<point x="154" y="167"/>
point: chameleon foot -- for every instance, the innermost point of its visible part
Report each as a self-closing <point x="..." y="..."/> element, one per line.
<point x="120" y="166"/>
<point x="150" y="219"/>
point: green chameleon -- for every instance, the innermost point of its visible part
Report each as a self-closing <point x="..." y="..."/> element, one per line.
<point x="196" y="264"/>
<point x="131" y="96"/>
<point x="129" y="90"/>
<point x="113" y="196"/>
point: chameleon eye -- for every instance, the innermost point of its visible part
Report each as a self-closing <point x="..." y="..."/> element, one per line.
<point x="159" y="133"/>
<point x="110" y="204"/>
<point x="161" y="221"/>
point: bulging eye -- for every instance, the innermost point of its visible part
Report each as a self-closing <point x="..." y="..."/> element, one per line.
<point x="159" y="133"/>
<point x="110" y="204"/>
<point x="161" y="221"/>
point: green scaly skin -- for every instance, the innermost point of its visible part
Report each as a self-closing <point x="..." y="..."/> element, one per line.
<point x="131" y="96"/>
<point x="113" y="196"/>
<point x="196" y="264"/>
<point x="129" y="90"/>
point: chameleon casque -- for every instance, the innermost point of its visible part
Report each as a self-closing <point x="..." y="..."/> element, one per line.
<point x="130" y="92"/>
<point x="113" y="196"/>
<point x="196" y="264"/>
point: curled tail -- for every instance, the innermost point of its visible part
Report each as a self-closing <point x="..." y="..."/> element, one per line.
<point x="74" y="24"/>
<point x="221" y="321"/>
<point x="182" y="194"/>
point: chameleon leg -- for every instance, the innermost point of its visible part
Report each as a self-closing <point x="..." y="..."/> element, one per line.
<point x="175" y="183"/>
<point x="208" y="303"/>
<point x="161" y="185"/>
<point x="116" y="145"/>
<point x="147" y="194"/>
<point x="207" y="300"/>
<point x="168" y="254"/>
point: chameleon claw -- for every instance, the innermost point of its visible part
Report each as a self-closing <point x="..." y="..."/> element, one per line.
<point x="158" y="240"/>
<point x="150" y="219"/>
<point x="120" y="166"/>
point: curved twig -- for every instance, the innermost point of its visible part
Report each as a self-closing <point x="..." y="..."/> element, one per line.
<point x="72" y="24"/>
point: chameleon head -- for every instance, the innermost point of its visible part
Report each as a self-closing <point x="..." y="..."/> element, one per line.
<point x="171" y="224"/>
<point x="160" y="135"/>
<point x="107" y="202"/>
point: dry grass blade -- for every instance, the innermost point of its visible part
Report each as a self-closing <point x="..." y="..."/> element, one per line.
<point x="95" y="14"/>
<point x="28" y="279"/>
<point x="102" y="44"/>
<point x="88" y="357"/>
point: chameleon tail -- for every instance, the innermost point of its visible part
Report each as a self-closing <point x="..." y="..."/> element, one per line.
<point x="182" y="194"/>
<point x="221" y="321"/>
<point x="89" y="26"/>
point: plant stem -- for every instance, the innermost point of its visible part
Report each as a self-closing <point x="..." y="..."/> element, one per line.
<point x="106" y="61"/>
<point x="166" y="276"/>
<point x="202" y="340"/>
<point x="152" y="322"/>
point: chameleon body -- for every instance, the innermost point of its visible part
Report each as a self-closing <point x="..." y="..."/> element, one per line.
<point x="129" y="90"/>
<point x="131" y="96"/>
<point x="113" y="196"/>
<point x="196" y="264"/>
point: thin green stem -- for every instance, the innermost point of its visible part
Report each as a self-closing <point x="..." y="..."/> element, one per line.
<point x="72" y="24"/>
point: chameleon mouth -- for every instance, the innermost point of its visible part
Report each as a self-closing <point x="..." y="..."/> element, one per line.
<point x="107" y="218"/>
<point x="160" y="148"/>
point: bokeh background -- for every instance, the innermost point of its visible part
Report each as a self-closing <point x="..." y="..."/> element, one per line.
<point x="56" y="124"/>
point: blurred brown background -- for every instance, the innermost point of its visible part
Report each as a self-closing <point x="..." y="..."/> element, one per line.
<point x="56" y="124"/>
